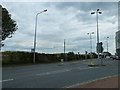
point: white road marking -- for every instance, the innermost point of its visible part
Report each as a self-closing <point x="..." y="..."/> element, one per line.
<point x="87" y="82"/>
<point x="6" y="80"/>
<point x="65" y="70"/>
<point x="52" y="72"/>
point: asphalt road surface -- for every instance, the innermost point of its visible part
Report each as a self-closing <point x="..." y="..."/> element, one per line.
<point x="57" y="75"/>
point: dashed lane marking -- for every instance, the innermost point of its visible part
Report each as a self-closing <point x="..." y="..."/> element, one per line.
<point x="65" y="70"/>
<point x="6" y="80"/>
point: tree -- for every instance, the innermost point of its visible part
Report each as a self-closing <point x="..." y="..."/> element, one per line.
<point x="9" y="26"/>
<point x="71" y="56"/>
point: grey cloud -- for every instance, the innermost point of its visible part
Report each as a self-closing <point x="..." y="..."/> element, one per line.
<point x="63" y="20"/>
<point x="86" y="6"/>
<point x="79" y="39"/>
<point x="109" y="8"/>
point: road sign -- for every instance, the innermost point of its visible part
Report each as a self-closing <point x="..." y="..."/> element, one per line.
<point x="99" y="47"/>
<point x="32" y="50"/>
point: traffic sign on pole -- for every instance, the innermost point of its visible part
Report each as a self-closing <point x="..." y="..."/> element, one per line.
<point x="99" y="47"/>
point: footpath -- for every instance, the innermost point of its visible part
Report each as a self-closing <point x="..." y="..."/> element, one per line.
<point x="111" y="82"/>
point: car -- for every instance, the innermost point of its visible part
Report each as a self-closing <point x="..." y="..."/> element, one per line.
<point x="108" y="57"/>
<point x="111" y="57"/>
<point x="117" y="58"/>
<point x="114" y="57"/>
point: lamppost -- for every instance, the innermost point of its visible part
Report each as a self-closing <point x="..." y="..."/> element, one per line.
<point x="107" y="42"/>
<point x="35" y="33"/>
<point x="97" y="12"/>
<point x="64" y="51"/>
<point x="90" y="40"/>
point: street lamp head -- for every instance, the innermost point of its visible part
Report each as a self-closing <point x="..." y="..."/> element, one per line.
<point x="92" y="32"/>
<point x="45" y="10"/>
<point x="92" y="12"/>
<point x="41" y="12"/>
<point x="97" y="9"/>
<point x="88" y="33"/>
<point x="100" y="12"/>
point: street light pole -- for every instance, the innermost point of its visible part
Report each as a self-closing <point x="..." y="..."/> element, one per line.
<point x="106" y="41"/>
<point x="64" y="50"/>
<point x="107" y="44"/>
<point x="91" y="41"/>
<point x="97" y="12"/>
<point x="35" y="33"/>
<point x="97" y="27"/>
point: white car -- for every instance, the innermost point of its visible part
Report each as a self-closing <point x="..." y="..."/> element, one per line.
<point x="107" y="56"/>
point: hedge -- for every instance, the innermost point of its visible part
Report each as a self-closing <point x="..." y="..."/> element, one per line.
<point x="20" y="57"/>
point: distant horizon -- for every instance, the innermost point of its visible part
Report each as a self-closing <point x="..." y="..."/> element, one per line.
<point x="54" y="53"/>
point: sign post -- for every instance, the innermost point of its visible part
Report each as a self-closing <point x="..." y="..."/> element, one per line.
<point x="100" y="49"/>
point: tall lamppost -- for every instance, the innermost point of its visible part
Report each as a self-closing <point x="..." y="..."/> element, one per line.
<point x="90" y="40"/>
<point x="97" y="12"/>
<point x="107" y="42"/>
<point x="35" y="33"/>
<point x="64" y="50"/>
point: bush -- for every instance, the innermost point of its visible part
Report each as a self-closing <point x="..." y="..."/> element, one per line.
<point x="16" y="57"/>
<point x="19" y="57"/>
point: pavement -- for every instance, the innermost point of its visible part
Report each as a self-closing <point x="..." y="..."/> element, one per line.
<point x="108" y="82"/>
<point x="56" y="75"/>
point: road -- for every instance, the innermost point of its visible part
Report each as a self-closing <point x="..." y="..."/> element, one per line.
<point x="56" y="75"/>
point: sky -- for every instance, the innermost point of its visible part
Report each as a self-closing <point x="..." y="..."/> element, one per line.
<point x="63" y="20"/>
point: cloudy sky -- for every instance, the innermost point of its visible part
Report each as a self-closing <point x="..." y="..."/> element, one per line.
<point x="63" y="20"/>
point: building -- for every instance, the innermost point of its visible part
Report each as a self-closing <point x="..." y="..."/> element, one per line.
<point x="117" y="37"/>
<point x="118" y="43"/>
